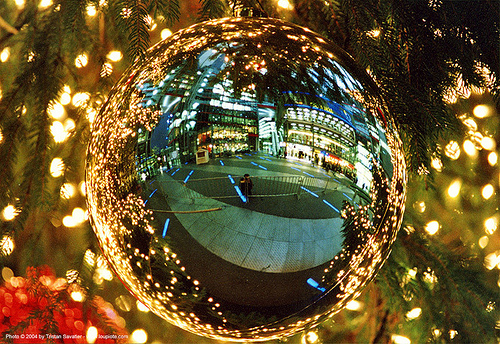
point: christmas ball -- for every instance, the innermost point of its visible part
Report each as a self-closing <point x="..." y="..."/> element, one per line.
<point x="245" y="179"/>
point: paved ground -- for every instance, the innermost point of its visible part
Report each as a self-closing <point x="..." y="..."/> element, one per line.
<point x="261" y="252"/>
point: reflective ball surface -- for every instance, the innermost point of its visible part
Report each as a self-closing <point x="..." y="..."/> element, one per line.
<point x="245" y="180"/>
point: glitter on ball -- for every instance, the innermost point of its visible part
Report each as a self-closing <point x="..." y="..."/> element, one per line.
<point x="245" y="180"/>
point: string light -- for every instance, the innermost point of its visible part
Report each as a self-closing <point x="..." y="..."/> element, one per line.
<point x="488" y="143"/>
<point x="45" y="3"/>
<point x="91" y="10"/>
<point x="470" y="148"/>
<point x="80" y="99"/>
<point x="56" y="110"/>
<point x="452" y="150"/>
<point x="6" y="245"/>
<point x="5" y="54"/>
<point x="483" y="241"/>
<point x="91" y="334"/>
<point x="9" y="212"/>
<point x="67" y="190"/>
<point x="481" y="111"/>
<point x="487" y="191"/>
<point x="432" y="227"/>
<point x="491" y="224"/>
<point x="454" y="188"/>
<point x="81" y="60"/>
<point x="165" y="33"/>
<point x="115" y="55"/>
<point x="414" y="313"/>
<point x="57" y="167"/>
<point x="492" y="158"/>
<point x="398" y="339"/>
<point x="139" y="336"/>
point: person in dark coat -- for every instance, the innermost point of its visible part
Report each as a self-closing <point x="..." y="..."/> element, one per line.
<point x="246" y="185"/>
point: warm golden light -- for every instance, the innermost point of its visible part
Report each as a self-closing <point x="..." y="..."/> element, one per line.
<point x="165" y="33"/>
<point x="398" y="339"/>
<point x="57" y="167"/>
<point x="470" y="148"/>
<point x="91" y="10"/>
<point x="139" y="336"/>
<point x="488" y="143"/>
<point x="81" y="61"/>
<point x="58" y="132"/>
<point x="6" y="245"/>
<point x="67" y="190"/>
<point x="492" y="158"/>
<point x="482" y="111"/>
<point x="432" y="227"/>
<point x="437" y="164"/>
<point x="454" y="188"/>
<point x="91" y="334"/>
<point x="115" y="55"/>
<point x="452" y="150"/>
<point x="483" y="241"/>
<point x="56" y="110"/>
<point x="77" y="296"/>
<point x="310" y="337"/>
<point x="414" y="313"/>
<point x="9" y="213"/>
<point x="487" y="191"/>
<point x="354" y="305"/>
<point x="45" y="3"/>
<point x="80" y="99"/>
<point x="284" y="4"/>
<point x="491" y="224"/>
<point x="5" y="54"/>
<point x="141" y="307"/>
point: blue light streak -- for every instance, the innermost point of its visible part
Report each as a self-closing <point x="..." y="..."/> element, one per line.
<point x="189" y="175"/>
<point x="230" y="178"/>
<point x="221" y="162"/>
<point x="262" y="167"/>
<point x="347" y="196"/>
<point x="315" y="285"/>
<point x="326" y="175"/>
<point x="239" y="157"/>
<point x="331" y="205"/>
<point x="152" y="193"/>
<point x="165" y="227"/>
<point x="243" y="198"/>
<point x="312" y="193"/>
<point x="254" y="163"/>
<point x="154" y="180"/>
<point x="175" y="171"/>
<point x="308" y="174"/>
<point x="296" y="169"/>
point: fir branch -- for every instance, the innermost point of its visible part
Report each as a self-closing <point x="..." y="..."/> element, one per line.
<point x="211" y="9"/>
<point x="170" y="9"/>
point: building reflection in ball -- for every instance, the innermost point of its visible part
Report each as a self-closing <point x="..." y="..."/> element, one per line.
<point x="238" y="257"/>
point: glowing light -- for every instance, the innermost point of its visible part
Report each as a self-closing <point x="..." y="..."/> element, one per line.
<point x="106" y="70"/>
<point x="56" y="110"/>
<point x="6" y="245"/>
<point x="65" y="98"/>
<point x="141" y="307"/>
<point x="77" y="296"/>
<point x="58" y="132"/>
<point x="284" y="4"/>
<point x="354" y="305"/>
<point x="454" y="188"/>
<point x="78" y="215"/>
<point x="470" y="148"/>
<point x="452" y="150"/>
<point x="82" y="188"/>
<point x="91" y="335"/>
<point x="20" y="3"/>
<point x="491" y="261"/>
<point x="81" y="61"/>
<point x="5" y="54"/>
<point x="421" y="206"/>
<point x="483" y="241"/>
<point x="487" y="191"/>
<point x="67" y="190"/>
<point x="91" y="10"/>
<point x="69" y="125"/>
<point x="165" y="33"/>
<point x="492" y="158"/>
<point x="69" y="222"/>
<point x="80" y="99"/>
<point x="414" y="313"/>
<point x="310" y="337"/>
<point x="488" y="143"/>
<point x="481" y="111"/>
<point x="57" y="167"/>
<point x="139" y="336"/>
<point x="398" y="339"/>
<point x="491" y="224"/>
<point x="9" y="212"/>
<point x="432" y="227"/>
<point x="437" y="164"/>
<point x="115" y="55"/>
<point x="45" y="3"/>
<point x="374" y="33"/>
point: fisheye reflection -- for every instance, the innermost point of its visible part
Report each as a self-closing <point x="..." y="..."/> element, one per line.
<point x="247" y="172"/>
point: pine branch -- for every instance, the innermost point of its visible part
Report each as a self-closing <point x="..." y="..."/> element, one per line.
<point x="211" y="9"/>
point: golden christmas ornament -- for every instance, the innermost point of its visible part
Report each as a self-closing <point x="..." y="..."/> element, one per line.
<point x="245" y="258"/>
